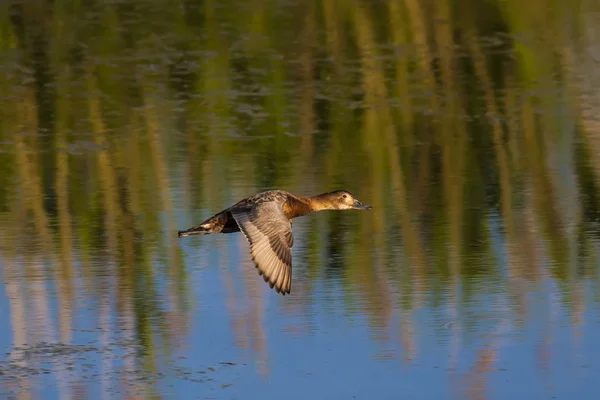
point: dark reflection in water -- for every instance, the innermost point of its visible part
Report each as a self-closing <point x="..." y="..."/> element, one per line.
<point x="470" y="127"/>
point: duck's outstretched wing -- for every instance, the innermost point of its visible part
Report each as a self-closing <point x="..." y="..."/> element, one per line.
<point x="270" y="236"/>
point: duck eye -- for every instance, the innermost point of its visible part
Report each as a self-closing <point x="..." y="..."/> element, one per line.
<point x="345" y="196"/>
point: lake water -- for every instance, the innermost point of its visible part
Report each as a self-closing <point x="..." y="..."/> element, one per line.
<point x="470" y="127"/>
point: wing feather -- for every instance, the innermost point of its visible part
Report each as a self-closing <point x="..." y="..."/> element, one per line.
<point x="270" y="236"/>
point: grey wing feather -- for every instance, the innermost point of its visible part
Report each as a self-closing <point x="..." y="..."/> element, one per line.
<point x="270" y="236"/>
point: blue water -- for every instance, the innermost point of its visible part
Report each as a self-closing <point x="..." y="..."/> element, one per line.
<point x="239" y="340"/>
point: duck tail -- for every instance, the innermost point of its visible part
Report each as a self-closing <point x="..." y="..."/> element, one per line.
<point x="204" y="229"/>
<point x="222" y="222"/>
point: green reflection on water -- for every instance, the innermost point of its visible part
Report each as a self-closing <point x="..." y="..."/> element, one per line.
<point x="445" y="116"/>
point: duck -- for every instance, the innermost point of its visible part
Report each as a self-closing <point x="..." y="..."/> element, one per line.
<point x="265" y="219"/>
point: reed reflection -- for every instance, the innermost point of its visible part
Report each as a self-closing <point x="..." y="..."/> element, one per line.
<point x="473" y="135"/>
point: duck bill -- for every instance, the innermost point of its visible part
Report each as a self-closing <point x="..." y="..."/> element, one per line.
<point x="360" y="206"/>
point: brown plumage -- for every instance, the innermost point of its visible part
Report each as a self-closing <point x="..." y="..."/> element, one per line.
<point x="264" y="219"/>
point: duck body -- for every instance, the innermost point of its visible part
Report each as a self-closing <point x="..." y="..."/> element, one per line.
<point x="224" y="221"/>
<point x="265" y="221"/>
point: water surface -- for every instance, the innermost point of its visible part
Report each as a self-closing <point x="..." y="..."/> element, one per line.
<point x="470" y="127"/>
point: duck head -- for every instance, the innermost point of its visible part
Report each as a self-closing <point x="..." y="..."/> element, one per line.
<point x="339" y="200"/>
